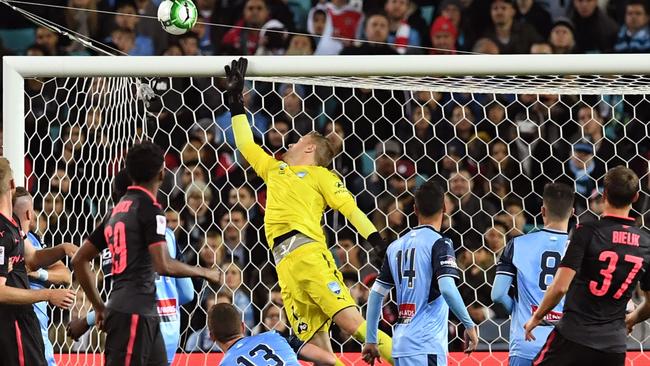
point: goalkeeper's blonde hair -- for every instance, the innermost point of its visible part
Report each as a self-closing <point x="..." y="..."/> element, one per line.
<point x="5" y="175"/>
<point x="324" y="150"/>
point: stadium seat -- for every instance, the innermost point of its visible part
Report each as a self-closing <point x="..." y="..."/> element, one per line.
<point x="17" y="40"/>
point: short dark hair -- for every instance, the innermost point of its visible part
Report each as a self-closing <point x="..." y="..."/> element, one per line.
<point x="20" y="192"/>
<point x="558" y="199"/>
<point x="224" y="322"/>
<point x="143" y="162"/>
<point x="121" y="183"/>
<point x="621" y="186"/>
<point x="643" y="3"/>
<point x="429" y="199"/>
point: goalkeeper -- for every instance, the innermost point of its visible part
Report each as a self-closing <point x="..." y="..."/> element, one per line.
<point x="299" y="188"/>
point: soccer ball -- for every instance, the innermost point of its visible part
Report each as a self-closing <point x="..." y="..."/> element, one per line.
<point x="177" y="16"/>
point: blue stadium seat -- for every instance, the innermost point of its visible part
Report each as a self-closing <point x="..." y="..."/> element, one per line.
<point x="17" y="40"/>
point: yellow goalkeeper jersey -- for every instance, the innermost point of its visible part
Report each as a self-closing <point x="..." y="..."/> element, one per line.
<point x="297" y="196"/>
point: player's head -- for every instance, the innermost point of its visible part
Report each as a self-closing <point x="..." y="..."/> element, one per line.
<point x="621" y="187"/>
<point x="225" y="324"/>
<point x="558" y="202"/>
<point x="429" y="200"/>
<point x="23" y="207"/>
<point x="121" y="183"/>
<point x="145" y="162"/>
<point x="312" y="147"/>
<point x="7" y="184"/>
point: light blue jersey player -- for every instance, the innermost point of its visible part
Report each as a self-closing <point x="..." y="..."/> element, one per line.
<point x="527" y="267"/>
<point x="421" y="265"/>
<point x="269" y="348"/>
<point x="45" y="277"/>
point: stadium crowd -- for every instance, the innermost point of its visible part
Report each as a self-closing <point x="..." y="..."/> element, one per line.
<point x="494" y="152"/>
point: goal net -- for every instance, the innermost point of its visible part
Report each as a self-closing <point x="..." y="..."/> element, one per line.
<point x="493" y="138"/>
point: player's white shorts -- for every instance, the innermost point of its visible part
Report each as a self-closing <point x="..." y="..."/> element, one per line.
<point x="422" y="360"/>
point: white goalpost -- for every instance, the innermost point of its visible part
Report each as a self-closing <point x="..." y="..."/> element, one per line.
<point x="494" y="128"/>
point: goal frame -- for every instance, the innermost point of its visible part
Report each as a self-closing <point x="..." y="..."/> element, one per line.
<point x="17" y="68"/>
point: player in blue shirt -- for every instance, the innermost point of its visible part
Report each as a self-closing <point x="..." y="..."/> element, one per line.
<point x="422" y="266"/>
<point x="527" y="266"/>
<point x="171" y="292"/>
<point x="268" y="348"/>
<point x="56" y="274"/>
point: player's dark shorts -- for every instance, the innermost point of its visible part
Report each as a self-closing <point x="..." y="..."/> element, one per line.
<point x="133" y="340"/>
<point x="21" y="343"/>
<point x="559" y="351"/>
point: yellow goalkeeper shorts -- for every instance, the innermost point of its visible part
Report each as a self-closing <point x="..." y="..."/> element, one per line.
<point x="312" y="289"/>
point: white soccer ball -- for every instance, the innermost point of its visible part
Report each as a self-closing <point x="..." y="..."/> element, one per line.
<point x="177" y="16"/>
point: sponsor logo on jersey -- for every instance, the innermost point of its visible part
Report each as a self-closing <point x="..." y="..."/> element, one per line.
<point x="161" y="224"/>
<point x="167" y="309"/>
<point x="551" y="317"/>
<point x="334" y="287"/>
<point x="406" y="313"/>
<point x="448" y="261"/>
<point x="282" y="167"/>
<point x="302" y="327"/>
<point x="2" y="255"/>
<point x="301" y="174"/>
<point x="121" y="207"/>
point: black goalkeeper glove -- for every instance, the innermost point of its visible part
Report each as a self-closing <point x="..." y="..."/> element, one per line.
<point x="378" y="243"/>
<point x="235" y="73"/>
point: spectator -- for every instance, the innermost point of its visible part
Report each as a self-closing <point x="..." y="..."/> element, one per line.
<point x="495" y="238"/>
<point x="389" y="218"/>
<point x="634" y="36"/>
<point x="301" y="45"/>
<point x="486" y="46"/>
<point x="370" y="187"/>
<point x="82" y="22"/>
<point x="512" y="36"/>
<point x="212" y="250"/>
<point x="273" y="39"/>
<point x="584" y="171"/>
<point x="126" y="20"/>
<point x="189" y="44"/>
<point x="350" y="255"/>
<point x="541" y="48"/>
<point x="336" y="135"/>
<point x="344" y="20"/>
<point x="376" y="30"/>
<point x="293" y="97"/>
<point x="453" y="9"/>
<point x="197" y="215"/>
<point x="49" y="40"/>
<point x="245" y="196"/>
<point x="421" y="141"/>
<point x="244" y="41"/>
<point x="443" y="36"/>
<point x="595" y="32"/>
<point x="479" y="270"/>
<point x="400" y="32"/>
<point x="596" y="207"/>
<point x="277" y="136"/>
<point x="150" y="27"/>
<point x="471" y="216"/>
<point x="532" y="12"/>
<point x="241" y="299"/>
<point x="259" y="121"/>
<point x="562" y="39"/>
<point x="238" y="235"/>
<point x="556" y="8"/>
<point x="273" y="318"/>
<point x="592" y="130"/>
<point x="317" y="21"/>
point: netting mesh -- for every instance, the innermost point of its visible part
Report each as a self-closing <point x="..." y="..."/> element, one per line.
<point x="493" y="149"/>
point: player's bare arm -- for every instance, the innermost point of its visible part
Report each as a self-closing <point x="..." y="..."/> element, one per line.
<point x="640" y="314"/>
<point x="164" y="265"/>
<point x="62" y="298"/>
<point x="554" y="293"/>
<point x="57" y="274"/>
<point x="35" y="259"/>
<point x="81" y="265"/>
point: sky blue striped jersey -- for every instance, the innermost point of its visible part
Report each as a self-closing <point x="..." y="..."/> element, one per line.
<point x="40" y="308"/>
<point x="413" y="264"/>
<point x="532" y="260"/>
<point x="269" y="348"/>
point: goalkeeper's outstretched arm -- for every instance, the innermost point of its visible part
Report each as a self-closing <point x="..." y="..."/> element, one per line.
<point x="252" y="152"/>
